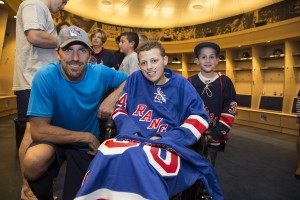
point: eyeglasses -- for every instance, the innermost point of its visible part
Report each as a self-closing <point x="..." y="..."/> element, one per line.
<point x="154" y="62"/>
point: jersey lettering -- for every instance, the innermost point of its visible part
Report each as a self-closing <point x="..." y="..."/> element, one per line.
<point x="168" y="166"/>
<point x="139" y="110"/>
<point x="147" y="117"/>
<point x="233" y="107"/>
<point x="162" y="128"/>
<point x="122" y="101"/>
<point x="112" y="146"/>
<point x="154" y="123"/>
<point x="213" y="119"/>
<point x="85" y="177"/>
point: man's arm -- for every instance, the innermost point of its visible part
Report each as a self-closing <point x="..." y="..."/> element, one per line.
<point x="41" y="39"/>
<point x="108" y="105"/>
<point x="42" y="130"/>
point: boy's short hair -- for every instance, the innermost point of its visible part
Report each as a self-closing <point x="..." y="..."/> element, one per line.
<point x="132" y="36"/>
<point x="152" y="44"/>
<point x="142" y="38"/>
<point x="117" y="39"/>
<point x="103" y="34"/>
<point x="58" y="26"/>
<point x="201" y="45"/>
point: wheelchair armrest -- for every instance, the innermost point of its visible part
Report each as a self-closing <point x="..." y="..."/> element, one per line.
<point x="201" y="145"/>
<point x="110" y="129"/>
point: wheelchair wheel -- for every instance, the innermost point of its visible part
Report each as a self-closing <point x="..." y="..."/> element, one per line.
<point x="198" y="190"/>
<point x="195" y="192"/>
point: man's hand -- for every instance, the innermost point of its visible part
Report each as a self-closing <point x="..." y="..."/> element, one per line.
<point x="106" y="108"/>
<point x="93" y="145"/>
<point x="155" y="138"/>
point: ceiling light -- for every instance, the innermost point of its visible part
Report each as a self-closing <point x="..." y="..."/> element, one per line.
<point x="198" y="6"/>
<point x="105" y="2"/>
<point x="1" y="2"/>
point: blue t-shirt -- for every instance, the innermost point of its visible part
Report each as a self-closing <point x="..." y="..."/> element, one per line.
<point x="72" y="105"/>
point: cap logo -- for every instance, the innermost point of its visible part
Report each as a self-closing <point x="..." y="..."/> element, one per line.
<point x="75" y="32"/>
<point x="72" y="34"/>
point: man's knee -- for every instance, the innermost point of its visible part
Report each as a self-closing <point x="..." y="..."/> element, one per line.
<point x="32" y="167"/>
<point x="37" y="161"/>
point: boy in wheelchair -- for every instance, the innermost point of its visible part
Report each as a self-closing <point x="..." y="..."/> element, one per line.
<point x="159" y="117"/>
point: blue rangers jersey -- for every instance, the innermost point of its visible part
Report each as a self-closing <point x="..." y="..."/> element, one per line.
<point x="173" y="110"/>
<point x="131" y="166"/>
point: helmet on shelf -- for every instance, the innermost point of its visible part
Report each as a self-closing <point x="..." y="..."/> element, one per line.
<point x="222" y="57"/>
<point x="277" y="52"/>
<point x="245" y="55"/>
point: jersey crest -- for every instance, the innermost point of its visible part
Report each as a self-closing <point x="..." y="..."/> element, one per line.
<point x="159" y="96"/>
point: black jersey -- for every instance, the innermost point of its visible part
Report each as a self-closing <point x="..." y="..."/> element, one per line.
<point x="106" y="58"/>
<point x="219" y="97"/>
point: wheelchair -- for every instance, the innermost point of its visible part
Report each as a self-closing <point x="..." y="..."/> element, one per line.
<point x="196" y="191"/>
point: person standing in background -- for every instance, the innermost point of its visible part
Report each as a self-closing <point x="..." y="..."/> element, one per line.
<point x="142" y="39"/>
<point x="118" y="54"/>
<point x="128" y="43"/>
<point x="297" y="172"/>
<point x="62" y="25"/>
<point x="218" y="94"/>
<point x="100" y="55"/>
<point x="36" y="39"/>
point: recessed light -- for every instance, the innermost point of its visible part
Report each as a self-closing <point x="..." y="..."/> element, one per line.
<point x="198" y="6"/>
<point x="1" y="2"/>
<point x="105" y="2"/>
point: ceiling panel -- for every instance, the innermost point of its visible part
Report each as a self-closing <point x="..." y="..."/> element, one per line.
<point x="162" y="13"/>
<point x="156" y="13"/>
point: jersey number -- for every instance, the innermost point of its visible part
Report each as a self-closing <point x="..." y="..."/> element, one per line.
<point x="168" y="166"/>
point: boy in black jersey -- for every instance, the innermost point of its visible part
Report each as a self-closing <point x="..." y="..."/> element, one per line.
<point x="218" y="94"/>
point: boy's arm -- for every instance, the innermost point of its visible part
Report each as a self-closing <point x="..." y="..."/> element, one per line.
<point x="195" y="119"/>
<point x="124" y="123"/>
<point x="226" y="119"/>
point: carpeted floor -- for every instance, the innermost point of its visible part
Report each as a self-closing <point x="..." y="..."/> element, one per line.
<point x="256" y="165"/>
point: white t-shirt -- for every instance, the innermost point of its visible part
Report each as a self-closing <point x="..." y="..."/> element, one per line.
<point x="130" y="63"/>
<point x="32" y="14"/>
